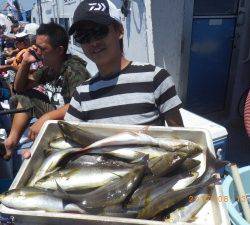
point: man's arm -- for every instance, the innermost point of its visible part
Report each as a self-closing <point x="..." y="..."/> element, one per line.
<point x="166" y="98"/>
<point x="57" y="114"/>
<point x="174" y="119"/>
<point x="5" y="68"/>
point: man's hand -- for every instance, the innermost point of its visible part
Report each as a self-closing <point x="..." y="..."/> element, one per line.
<point x="28" y="57"/>
<point x="26" y="153"/>
<point x="36" y="127"/>
<point x="174" y="119"/>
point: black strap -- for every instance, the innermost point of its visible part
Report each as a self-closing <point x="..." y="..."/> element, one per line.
<point x="13" y="111"/>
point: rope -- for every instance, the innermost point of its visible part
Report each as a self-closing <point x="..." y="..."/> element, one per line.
<point x="247" y="114"/>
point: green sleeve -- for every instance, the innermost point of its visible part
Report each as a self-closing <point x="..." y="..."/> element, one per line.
<point x="40" y="75"/>
<point x="75" y="75"/>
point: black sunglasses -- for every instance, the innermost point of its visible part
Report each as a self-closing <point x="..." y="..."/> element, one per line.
<point x="88" y="35"/>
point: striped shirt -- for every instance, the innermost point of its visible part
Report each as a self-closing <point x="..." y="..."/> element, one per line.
<point x="139" y="94"/>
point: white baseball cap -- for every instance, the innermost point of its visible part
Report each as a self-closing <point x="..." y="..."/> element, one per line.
<point x="29" y="29"/>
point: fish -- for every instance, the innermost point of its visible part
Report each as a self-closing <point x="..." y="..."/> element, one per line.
<point x="61" y="143"/>
<point x="188" y="165"/>
<point x="81" y="178"/>
<point x="152" y="187"/>
<point x="192" y="206"/>
<point x="98" y="160"/>
<point x="136" y="138"/>
<point x="182" y="145"/>
<point x="169" y="198"/>
<point x="48" y="151"/>
<point x="30" y="198"/>
<point x="113" y="193"/>
<point x="118" y="211"/>
<point x="129" y="153"/>
<point x="166" y="163"/>
<point x="78" y="134"/>
<point x="160" y="161"/>
<point x="84" y="160"/>
<point x="209" y="166"/>
<point x="51" y="163"/>
<point x="124" y="138"/>
<point x="93" y="139"/>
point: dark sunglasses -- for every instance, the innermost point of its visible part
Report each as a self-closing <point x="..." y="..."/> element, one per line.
<point x="94" y="34"/>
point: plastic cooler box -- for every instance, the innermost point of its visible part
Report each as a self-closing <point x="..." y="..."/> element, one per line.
<point x="217" y="132"/>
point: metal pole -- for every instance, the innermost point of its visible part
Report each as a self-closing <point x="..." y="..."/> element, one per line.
<point x="241" y="192"/>
<point x="57" y="11"/>
<point x="39" y="6"/>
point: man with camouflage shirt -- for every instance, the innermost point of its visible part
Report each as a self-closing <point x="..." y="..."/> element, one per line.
<point x="61" y="74"/>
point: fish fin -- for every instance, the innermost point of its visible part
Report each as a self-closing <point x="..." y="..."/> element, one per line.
<point x="47" y="151"/>
<point x="48" y="174"/>
<point x="192" y="219"/>
<point x="60" y="190"/>
<point x="65" y="196"/>
<point x="221" y="163"/>
<point x="116" y="175"/>
<point x="143" y="160"/>
<point x="140" y="158"/>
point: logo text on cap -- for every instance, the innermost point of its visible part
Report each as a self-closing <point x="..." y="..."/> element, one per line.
<point x="97" y="7"/>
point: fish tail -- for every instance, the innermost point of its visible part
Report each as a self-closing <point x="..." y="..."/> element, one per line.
<point x="211" y="180"/>
<point x="214" y="162"/>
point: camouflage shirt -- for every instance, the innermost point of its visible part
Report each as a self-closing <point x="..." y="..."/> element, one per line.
<point x="73" y="73"/>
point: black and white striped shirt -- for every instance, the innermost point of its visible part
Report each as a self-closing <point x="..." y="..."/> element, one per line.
<point x="139" y="94"/>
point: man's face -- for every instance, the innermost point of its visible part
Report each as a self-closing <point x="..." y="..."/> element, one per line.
<point x="21" y="43"/>
<point x="101" y="48"/>
<point x="15" y="29"/>
<point x="49" y="54"/>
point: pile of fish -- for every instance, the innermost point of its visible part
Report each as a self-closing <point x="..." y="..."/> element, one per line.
<point x="130" y="174"/>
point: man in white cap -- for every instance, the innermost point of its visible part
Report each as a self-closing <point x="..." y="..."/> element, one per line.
<point x="23" y="41"/>
<point x="123" y="91"/>
<point x="29" y="29"/>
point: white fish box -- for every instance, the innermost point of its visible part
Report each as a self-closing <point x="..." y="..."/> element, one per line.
<point x="213" y="213"/>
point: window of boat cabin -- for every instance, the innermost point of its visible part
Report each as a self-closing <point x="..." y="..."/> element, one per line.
<point x="72" y="39"/>
<point x="54" y="20"/>
<point x="65" y="23"/>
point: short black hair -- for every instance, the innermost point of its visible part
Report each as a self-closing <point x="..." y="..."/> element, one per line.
<point x="58" y="36"/>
